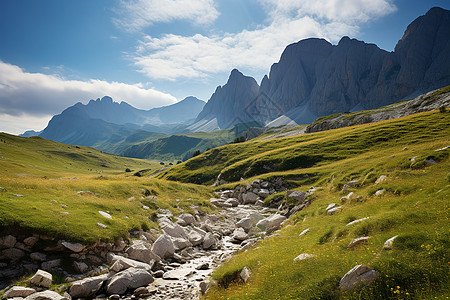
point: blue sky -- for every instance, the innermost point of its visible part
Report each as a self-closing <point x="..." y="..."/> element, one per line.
<point x="151" y="53"/>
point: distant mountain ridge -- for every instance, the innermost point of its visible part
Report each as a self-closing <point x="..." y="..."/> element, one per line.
<point x="314" y="78"/>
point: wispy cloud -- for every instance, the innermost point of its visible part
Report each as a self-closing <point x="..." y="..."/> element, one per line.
<point x="137" y="14"/>
<point x="40" y="95"/>
<point x="174" y="56"/>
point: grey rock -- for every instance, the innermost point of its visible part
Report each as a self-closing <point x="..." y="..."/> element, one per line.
<point x="101" y="225"/>
<point x="128" y="279"/>
<point x="120" y="263"/>
<point x="209" y="241"/>
<point x="80" y="266"/>
<point x="334" y="210"/>
<point x="388" y="244"/>
<point x="299" y="196"/>
<point x="42" y="278"/>
<point x="232" y="202"/>
<point x="75" y="247"/>
<point x="163" y="246"/>
<point x="31" y="241"/>
<point x="195" y="238"/>
<point x="350" y="184"/>
<point x="105" y="214"/>
<point x="245" y="274"/>
<point x="357" y="221"/>
<point x="51" y="264"/>
<point x="203" y="287"/>
<point x="304" y="256"/>
<point x="7" y="241"/>
<point x="271" y="223"/>
<point x="359" y="275"/>
<point x="381" y="179"/>
<point x="357" y="242"/>
<point x="239" y="234"/>
<point x="330" y="206"/>
<point x="87" y="287"/>
<point x="250" y="198"/>
<point x="158" y="274"/>
<point x="13" y="254"/>
<point x="187" y="218"/>
<point x="140" y="250"/>
<point x="46" y="295"/>
<point x="18" y="291"/>
<point x="245" y="223"/>
<point x="303" y="232"/>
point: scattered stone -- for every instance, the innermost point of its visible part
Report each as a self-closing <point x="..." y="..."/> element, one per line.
<point x="51" y="264"/>
<point x="38" y="256"/>
<point x="350" y="196"/>
<point x="87" y="287"/>
<point x="379" y="193"/>
<point x="120" y="263"/>
<point x="388" y="244"/>
<point x="18" y="291"/>
<point x="140" y="291"/>
<point x="187" y="218"/>
<point x="114" y="297"/>
<point x="203" y="287"/>
<point x="357" y="221"/>
<point x="85" y="193"/>
<point x="13" y="254"/>
<point x="381" y="179"/>
<point x="101" y="225"/>
<point x="299" y="196"/>
<point x="304" y="256"/>
<point x="357" y="241"/>
<point x="140" y="250"/>
<point x="271" y="223"/>
<point x="303" y="232"/>
<point x="245" y="223"/>
<point x="245" y="274"/>
<point x="209" y="241"/>
<point x="404" y="149"/>
<point x="46" y="295"/>
<point x="30" y="241"/>
<point x="263" y="193"/>
<point x="350" y="184"/>
<point x="80" y="266"/>
<point x="163" y="246"/>
<point x="334" y="210"/>
<point x="128" y="279"/>
<point x="7" y="242"/>
<point x="195" y="238"/>
<point x="18" y="195"/>
<point x="204" y="266"/>
<point x="2" y="189"/>
<point x="330" y="206"/>
<point x="105" y="214"/>
<point x="42" y="278"/>
<point x="250" y="198"/>
<point x="445" y="148"/>
<point x="359" y="275"/>
<point x="232" y="201"/>
<point x="158" y="274"/>
<point x="239" y="235"/>
<point x="75" y="247"/>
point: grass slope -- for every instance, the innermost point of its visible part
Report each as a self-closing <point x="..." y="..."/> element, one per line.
<point x="41" y="180"/>
<point x="414" y="206"/>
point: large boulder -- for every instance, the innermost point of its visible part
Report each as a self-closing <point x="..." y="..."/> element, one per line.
<point x="180" y="243"/>
<point x="87" y="287"/>
<point x="359" y="275"/>
<point x="128" y="279"/>
<point x="195" y="238"/>
<point x="163" y="246"/>
<point x="42" y="278"/>
<point x="239" y="235"/>
<point x="271" y="223"/>
<point x="120" y="263"/>
<point x="245" y="223"/>
<point x="250" y="198"/>
<point x="174" y="230"/>
<point x="187" y="218"/>
<point x="18" y="291"/>
<point x="298" y="196"/>
<point x="140" y="250"/>
<point x="46" y="295"/>
<point x="209" y="241"/>
<point x="7" y="242"/>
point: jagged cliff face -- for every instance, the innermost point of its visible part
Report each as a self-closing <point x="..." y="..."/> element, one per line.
<point x="229" y="103"/>
<point x="315" y="78"/>
<point x="331" y="79"/>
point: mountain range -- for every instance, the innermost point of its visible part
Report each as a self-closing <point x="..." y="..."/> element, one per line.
<point x="313" y="78"/>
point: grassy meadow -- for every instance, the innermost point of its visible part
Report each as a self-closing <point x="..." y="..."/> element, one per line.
<point x="414" y="206"/>
<point x="41" y="180"/>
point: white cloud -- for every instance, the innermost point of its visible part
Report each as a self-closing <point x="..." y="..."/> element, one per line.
<point x="174" y="56"/>
<point x="24" y="94"/>
<point x="347" y="11"/>
<point x="137" y="14"/>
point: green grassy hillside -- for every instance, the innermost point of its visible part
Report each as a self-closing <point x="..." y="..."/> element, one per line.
<point x="40" y="181"/>
<point x="414" y="206"/>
